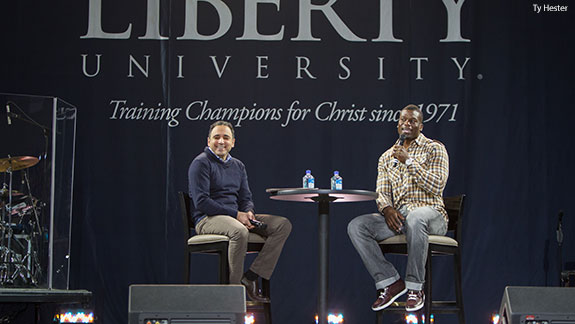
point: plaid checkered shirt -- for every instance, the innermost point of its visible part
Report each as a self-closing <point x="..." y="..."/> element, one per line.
<point x="417" y="185"/>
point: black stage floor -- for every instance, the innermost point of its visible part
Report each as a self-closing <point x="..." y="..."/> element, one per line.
<point x="15" y="302"/>
<point x="39" y="295"/>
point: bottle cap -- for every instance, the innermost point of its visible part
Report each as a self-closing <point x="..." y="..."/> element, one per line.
<point x="307" y="171"/>
<point x="335" y="172"/>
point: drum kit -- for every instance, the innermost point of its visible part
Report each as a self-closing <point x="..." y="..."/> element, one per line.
<point x="20" y="230"/>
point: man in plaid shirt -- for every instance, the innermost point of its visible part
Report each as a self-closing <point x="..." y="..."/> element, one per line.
<point x="410" y="182"/>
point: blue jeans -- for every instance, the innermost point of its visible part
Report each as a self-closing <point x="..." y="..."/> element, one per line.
<point x="366" y="231"/>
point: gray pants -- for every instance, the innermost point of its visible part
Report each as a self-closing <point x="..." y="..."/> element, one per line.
<point x="366" y="230"/>
<point x="277" y="232"/>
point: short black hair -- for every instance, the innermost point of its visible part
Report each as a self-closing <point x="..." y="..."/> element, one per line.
<point x="413" y="107"/>
<point x="222" y="123"/>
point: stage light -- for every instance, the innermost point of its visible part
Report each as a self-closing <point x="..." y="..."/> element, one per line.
<point x="77" y="316"/>
<point x="249" y="319"/>
<point x="411" y="319"/>
<point x="431" y="319"/>
<point x="495" y="318"/>
<point x="331" y="318"/>
<point x="414" y="319"/>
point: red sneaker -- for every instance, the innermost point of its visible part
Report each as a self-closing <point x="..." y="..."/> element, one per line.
<point x="388" y="295"/>
<point x="415" y="300"/>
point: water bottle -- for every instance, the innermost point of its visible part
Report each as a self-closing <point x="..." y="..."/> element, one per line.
<point x="308" y="180"/>
<point x="336" y="181"/>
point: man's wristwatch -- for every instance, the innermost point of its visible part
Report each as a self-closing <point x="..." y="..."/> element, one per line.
<point x="408" y="161"/>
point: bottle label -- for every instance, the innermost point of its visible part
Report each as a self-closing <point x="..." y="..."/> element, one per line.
<point x="311" y="183"/>
<point x="336" y="183"/>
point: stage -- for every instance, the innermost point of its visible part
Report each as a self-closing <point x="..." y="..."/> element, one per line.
<point x="38" y="295"/>
<point x="14" y="303"/>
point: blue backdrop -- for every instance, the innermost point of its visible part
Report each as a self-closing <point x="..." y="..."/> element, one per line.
<point x="308" y="86"/>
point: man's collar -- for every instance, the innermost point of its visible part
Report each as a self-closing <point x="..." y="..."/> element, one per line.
<point x="219" y="158"/>
<point x="420" y="140"/>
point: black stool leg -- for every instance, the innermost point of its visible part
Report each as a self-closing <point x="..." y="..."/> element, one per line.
<point x="458" y="289"/>
<point x="427" y="290"/>
<point x="224" y="268"/>
<point x="379" y="317"/>
<point x="267" y="306"/>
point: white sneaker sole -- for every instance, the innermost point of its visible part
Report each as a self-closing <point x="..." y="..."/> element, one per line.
<point x="416" y="308"/>
<point x="401" y="293"/>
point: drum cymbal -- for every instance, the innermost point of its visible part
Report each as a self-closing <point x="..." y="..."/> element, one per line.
<point x="17" y="163"/>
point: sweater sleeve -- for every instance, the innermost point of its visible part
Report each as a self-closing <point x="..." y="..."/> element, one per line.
<point x="245" y="202"/>
<point x="199" y="191"/>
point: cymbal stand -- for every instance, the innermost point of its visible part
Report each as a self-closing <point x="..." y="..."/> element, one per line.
<point x="8" y="253"/>
<point x="34" y="268"/>
<point x="23" y="264"/>
<point x="4" y="189"/>
<point x="15" y="265"/>
<point x="33" y="204"/>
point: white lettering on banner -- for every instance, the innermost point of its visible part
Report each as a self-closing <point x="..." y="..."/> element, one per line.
<point x="85" y="70"/>
<point x="219" y="71"/>
<point x="295" y="113"/>
<point x="453" y="21"/>
<point x="386" y="22"/>
<point x="327" y="111"/>
<point x="95" y="24"/>
<point x="418" y="60"/>
<point x="230" y="113"/>
<point x="384" y="115"/>
<point x="153" y="21"/>
<point x="180" y="65"/>
<point x="262" y="67"/>
<point x="250" y="27"/>
<point x="305" y="9"/>
<point x="460" y="67"/>
<point x="381" y="59"/>
<point x="191" y="29"/>
<point x="303" y="66"/>
<point x="433" y="109"/>
<point x="336" y="114"/>
<point x="134" y="62"/>
<point x="345" y="68"/>
<point x="123" y="112"/>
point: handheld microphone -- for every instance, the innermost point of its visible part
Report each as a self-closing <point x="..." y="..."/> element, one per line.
<point x="8" y="114"/>
<point x="401" y="141"/>
<point x="258" y="224"/>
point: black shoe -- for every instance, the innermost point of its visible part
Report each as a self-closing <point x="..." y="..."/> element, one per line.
<point x="253" y="291"/>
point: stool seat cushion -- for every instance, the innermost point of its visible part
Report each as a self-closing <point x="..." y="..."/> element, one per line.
<point x="213" y="238"/>
<point x="433" y="239"/>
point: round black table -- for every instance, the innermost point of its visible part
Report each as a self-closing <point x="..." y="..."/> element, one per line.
<point x="323" y="197"/>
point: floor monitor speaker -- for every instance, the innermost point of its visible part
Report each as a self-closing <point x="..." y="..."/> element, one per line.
<point x="537" y="305"/>
<point x="186" y="304"/>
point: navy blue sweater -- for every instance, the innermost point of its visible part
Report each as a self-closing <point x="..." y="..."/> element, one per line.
<point x="218" y="188"/>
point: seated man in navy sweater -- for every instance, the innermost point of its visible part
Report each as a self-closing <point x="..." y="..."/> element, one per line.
<point x="221" y="203"/>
